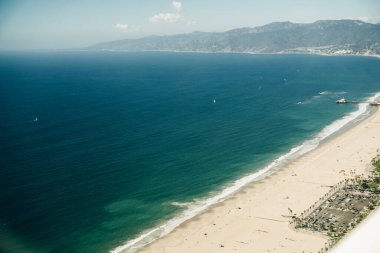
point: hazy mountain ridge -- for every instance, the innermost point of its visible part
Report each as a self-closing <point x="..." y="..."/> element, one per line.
<point x="322" y="37"/>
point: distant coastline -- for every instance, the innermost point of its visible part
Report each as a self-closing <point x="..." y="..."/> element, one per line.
<point x="330" y="37"/>
<point x="252" y="53"/>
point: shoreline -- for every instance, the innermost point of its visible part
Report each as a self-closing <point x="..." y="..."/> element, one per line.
<point x="253" y="209"/>
<point x="221" y="52"/>
<point x="145" y="242"/>
<point x="189" y="52"/>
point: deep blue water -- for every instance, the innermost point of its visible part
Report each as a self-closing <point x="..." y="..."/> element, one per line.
<point x="95" y="147"/>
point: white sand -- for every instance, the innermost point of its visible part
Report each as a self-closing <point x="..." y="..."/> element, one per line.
<point x="253" y="221"/>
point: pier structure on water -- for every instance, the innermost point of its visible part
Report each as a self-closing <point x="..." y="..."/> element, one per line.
<point x="345" y="101"/>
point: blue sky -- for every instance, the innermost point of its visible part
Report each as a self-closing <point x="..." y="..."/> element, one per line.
<point x="50" y="24"/>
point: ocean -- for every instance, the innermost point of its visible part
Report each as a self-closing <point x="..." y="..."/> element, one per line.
<point x="104" y="151"/>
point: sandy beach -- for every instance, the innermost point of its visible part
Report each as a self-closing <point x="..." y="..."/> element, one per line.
<point x="256" y="218"/>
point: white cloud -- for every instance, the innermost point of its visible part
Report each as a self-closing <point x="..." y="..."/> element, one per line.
<point x="126" y="28"/>
<point x="373" y="20"/>
<point x="166" y="17"/>
<point x="123" y="27"/>
<point x="169" y="17"/>
<point x="177" y="5"/>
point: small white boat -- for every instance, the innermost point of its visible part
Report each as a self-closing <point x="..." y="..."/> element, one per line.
<point x="214" y="101"/>
<point x="35" y="119"/>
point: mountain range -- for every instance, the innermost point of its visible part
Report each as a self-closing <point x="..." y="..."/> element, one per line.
<point x="331" y="37"/>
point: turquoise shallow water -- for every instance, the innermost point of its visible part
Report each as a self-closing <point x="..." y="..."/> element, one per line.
<point x="96" y="148"/>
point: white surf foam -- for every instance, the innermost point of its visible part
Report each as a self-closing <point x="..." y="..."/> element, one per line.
<point x="202" y="205"/>
<point x="310" y="100"/>
<point x="181" y="204"/>
<point x="332" y="92"/>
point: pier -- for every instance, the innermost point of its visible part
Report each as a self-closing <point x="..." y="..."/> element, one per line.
<point x="344" y="101"/>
